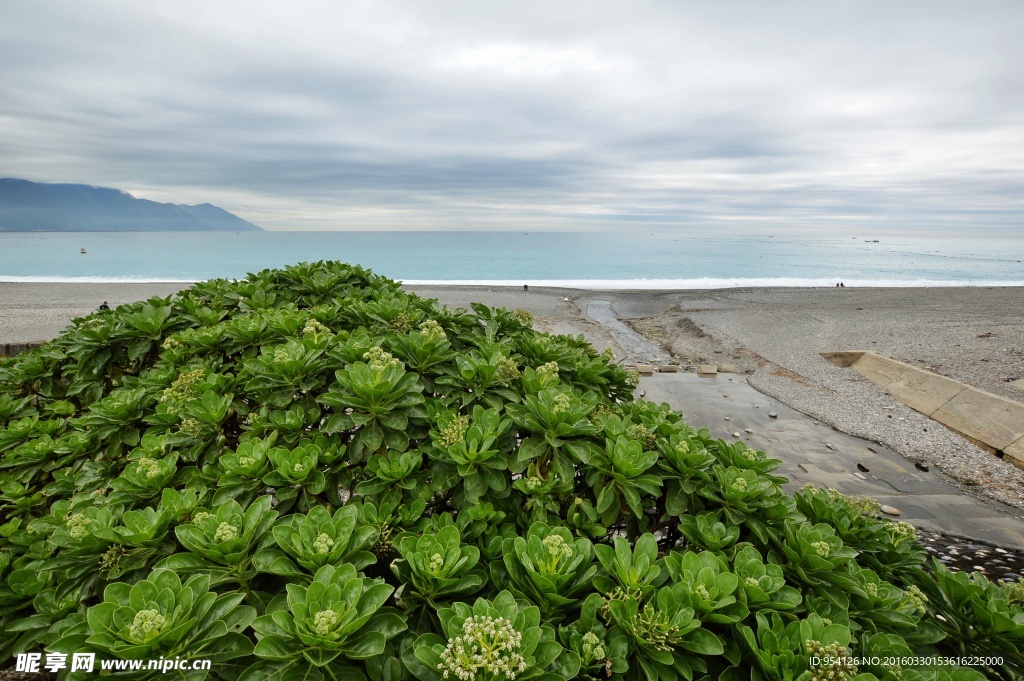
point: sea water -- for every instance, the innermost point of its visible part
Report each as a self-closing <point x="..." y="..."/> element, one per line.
<point x="570" y="259"/>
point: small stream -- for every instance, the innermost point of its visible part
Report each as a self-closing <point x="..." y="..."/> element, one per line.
<point x="637" y="348"/>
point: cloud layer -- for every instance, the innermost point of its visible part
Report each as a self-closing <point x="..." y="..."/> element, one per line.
<point x="747" y="116"/>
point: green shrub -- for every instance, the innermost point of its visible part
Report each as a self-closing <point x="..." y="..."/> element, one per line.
<point x="311" y="474"/>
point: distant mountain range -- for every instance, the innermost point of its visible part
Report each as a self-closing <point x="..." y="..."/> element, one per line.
<point x="33" y="207"/>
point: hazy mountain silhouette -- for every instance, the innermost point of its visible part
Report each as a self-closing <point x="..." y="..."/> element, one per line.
<point x="33" y="207"/>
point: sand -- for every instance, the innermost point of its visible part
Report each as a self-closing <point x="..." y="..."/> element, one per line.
<point x="974" y="335"/>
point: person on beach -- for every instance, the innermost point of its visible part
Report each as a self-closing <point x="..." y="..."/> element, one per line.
<point x="526" y="287"/>
<point x="104" y="306"/>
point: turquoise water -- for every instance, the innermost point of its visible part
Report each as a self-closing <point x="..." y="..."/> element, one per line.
<point x="603" y="260"/>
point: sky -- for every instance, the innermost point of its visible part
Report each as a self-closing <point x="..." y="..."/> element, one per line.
<point x="826" y="118"/>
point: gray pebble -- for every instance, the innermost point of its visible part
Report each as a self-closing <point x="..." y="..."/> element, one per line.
<point x="889" y="510"/>
<point x="772" y="415"/>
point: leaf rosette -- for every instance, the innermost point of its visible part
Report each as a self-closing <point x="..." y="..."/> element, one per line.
<point x="319" y="630"/>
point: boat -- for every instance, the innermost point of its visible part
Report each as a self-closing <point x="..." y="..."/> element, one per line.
<point x="83" y="251"/>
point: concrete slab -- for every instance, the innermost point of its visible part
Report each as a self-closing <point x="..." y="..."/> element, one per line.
<point x="644" y="369"/>
<point x="923" y="390"/>
<point x="707" y="369"/>
<point x="879" y="370"/>
<point x="984" y="417"/>
<point x="1016" y="451"/>
<point x="927" y="500"/>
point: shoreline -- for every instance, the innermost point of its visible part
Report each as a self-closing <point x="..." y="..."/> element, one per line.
<point x="773" y="335"/>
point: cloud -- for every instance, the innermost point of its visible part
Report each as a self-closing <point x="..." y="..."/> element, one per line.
<point x="596" y="115"/>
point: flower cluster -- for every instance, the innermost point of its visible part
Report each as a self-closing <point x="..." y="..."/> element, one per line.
<point x="901" y="531"/>
<point x="323" y="621"/>
<point x="522" y="316"/>
<point x="488" y="645"/>
<point x="225" y="532"/>
<point x="592" y="648"/>
<point x="562" y="403"/>
<point x="752" y="582"/>
<point x="639" y="432"/>
<point x="701" y="591"/>
<point x="315" y="328"/>
<point x="78" y="526"/>
<point x="821" y="548"/>
<point x="838" y="670"/>
<point x="432" y="329"/>
<point x="633" y="377"/>
<point x="507" y="371"/>
<point x="146" y="626"/>
<point x="1014" y="592"/>
<point x="379" y="360"/>
<point x="655" y="627"/>
<point x="455" y="431"/>
<point x="148" y="468"/>
<point x="739" y="484"/>
<point x="323" y="543"/>
<point x="557" y="548"/>
<point x="915" y="599"/>
<point x="183" y="387"/>
<point x="402" y="323"/>
<point x="548" y="373"/>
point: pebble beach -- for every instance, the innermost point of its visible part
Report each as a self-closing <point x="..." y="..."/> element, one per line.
<point x="773" y="335"/>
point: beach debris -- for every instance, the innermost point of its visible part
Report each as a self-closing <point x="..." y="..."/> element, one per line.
<point x="565" y="300"/>
<point x="707" y="369"/>
<point x="860" y="475"/>
<point x="987" y="334"/>
<point x="862" y="467"/>
<point x="748" y="430"/>
<point x="922" y="466"/>
<point x="772" y="415"/>
<point x="736" y="435"/>
<point x="830" y="446"/>
<point x="728" y="418"/>
<point x="724" y="395"/>
<point x="889" y="510"/>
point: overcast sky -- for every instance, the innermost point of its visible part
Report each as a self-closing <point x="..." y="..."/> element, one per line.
<point x="826" y="117"/>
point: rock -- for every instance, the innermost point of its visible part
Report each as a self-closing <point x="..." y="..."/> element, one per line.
<point x="645" y="369"/>
<point x="954" y="552"/>
<point x="728" y="418"/>
<point x="707" y="369"/>
<point x="772" y="415"/>
<point x="724" y="395"/>
<point x="921" y="466"/>
<point x="890" y="510"/>
<point x="727" y="368"/>
<point x="748" y="430"/>
<point x="998" y="550"/>
<point x="830" y="446"/>
<point x="736" y="435"/>
<point x="979" y="568"/>
<point x="668" y="369"/>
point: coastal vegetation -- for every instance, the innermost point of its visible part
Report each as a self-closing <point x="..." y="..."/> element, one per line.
<point x="310" y="474"/>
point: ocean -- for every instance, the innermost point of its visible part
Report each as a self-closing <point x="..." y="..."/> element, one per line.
<point x="568" y="259"/>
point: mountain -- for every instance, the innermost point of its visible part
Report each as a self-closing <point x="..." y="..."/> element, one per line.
<point x="33" y="207"/>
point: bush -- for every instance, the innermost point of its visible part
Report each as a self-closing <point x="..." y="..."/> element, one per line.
<point x="311" y="474"/>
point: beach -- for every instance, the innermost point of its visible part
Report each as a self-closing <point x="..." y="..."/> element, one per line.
<point x="772" y="335"/>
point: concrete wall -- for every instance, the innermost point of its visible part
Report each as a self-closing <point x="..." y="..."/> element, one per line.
<point x="992" y="421"/>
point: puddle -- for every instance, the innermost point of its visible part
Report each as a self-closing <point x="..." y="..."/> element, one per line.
<point x="636" y="347"/>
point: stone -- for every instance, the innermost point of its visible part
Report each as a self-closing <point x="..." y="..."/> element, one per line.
<point x="707" y="369"/>
<point x="921" y="466"/>
<point x="644" y="369"/>
<point x="830" y="446"/>
<point x="736" y="435"/>
<point x="727" y="368"/>
<point x="728" y="418"/>
<point x="772" y="415"/>
<point x="668" y="368"/>
<point x="748" y="430"/>
<point x="890" y="510"/>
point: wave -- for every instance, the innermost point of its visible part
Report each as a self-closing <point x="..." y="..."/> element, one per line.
<point x="708" y="283"/>
<point x="588" y="284"/>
